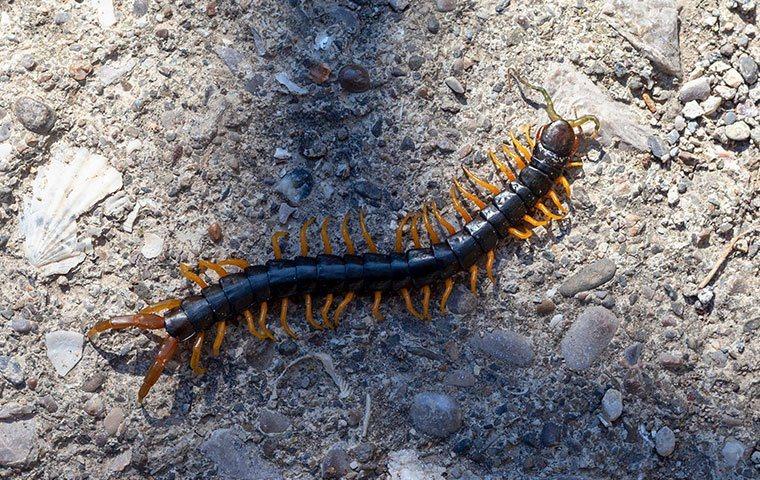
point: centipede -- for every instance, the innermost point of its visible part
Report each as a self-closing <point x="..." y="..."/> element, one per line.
<point x="533" y="176"/>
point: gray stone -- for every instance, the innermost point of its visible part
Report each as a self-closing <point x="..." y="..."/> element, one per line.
<point x="445" y="5"/>
<point x="114" y="72"/>
<point x="34" y="115"/>
<point x="572" y="90"/>
<point x="235" y="459"/>
<point x="12" y="371"/>
<point x="733" y="78"/>
<point x="273" y="422"/>
<point x="738" y="131"/>
<point x="748" y="69"/>
<point x="22" y="325"/>
<point x="665" y="441"/>
<point x="692" y="110"/>
<point x="94" y="406"/>
<point x="462" y="301"/>
<point x="509" y="347"/>
<point x="13" y="411"/>
<point x="651" y="26"/>
<point x="336" y="463"/>
<point x="612" y="404"/>
<point x="113" y="421"/>
<point x="697" y="89"/>
<point x="454" y="85"/>
<point x="399" y="5"/>
<point x="18" y="442"/>
<point x="94" y="382"/>
<point x="435" y="414"/>
<point x="656" y="148"/>
<point x="588" y="336"/>
<point x="732" y="452"/>
<point x="296" y="185"/>
<point x="460" y="378"/>
<point x="588" y="277"/>
<point x="64" y="349"/>
<point x="139" y="8"/>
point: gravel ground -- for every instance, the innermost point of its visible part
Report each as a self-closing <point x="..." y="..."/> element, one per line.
<point x="206" y="126"/>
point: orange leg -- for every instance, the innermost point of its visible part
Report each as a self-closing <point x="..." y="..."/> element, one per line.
<point x="449" y="287"/>
<point x="469" y="195"/>
<point x="263" y="321"/>
<point x="373" y="249"/>
<point x="521" y="149"/>
<point x="492" y="189"/>
<point x="251" y="323"/>
<point x="342" y="308"/>
<point x="474" y="279"/>
<point x="549" y="214"/>
<point x="441" y="220"/>
<point x="188" y="273"/>
<point x="525" y="130"/>
<point x="565" y="184"/>
<point x="426" y="302"/>
<point x="195" y="358"/>
<point x="521" y="234"/>
<point x="557" y="202"/>
<point x="221" y="329"/>
<point x="376" y="307"/>
<point x="284" y="319"/>
<point x="534" y="221"/>
<point x="161" y="306"/>
<point x="458" y="205"/>
<point x="490" y="259"/>
<point x="409" y="306"/>
<point x="141" y="321"/>
<point x="502" y="167"/>
<point x="509" y="153"/>
<point x="325" y="312"/>
<point x="310" y="313"/>
<point x="167" y="351"/>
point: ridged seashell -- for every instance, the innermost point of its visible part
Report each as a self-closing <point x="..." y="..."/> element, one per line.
<point x="73" y="182"/>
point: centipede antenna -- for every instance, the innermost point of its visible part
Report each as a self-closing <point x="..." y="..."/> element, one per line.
<point x="586" y="119"/>
<point x="547" y="99"/>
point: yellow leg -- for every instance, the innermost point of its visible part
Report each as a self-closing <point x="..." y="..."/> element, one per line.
<point x="469" y="195"/>
<point x="276" y="243"/>
<point x="303" y="236"/>
<point x="492" y="189"/>
<point x="458" y="205"/>
<point x="557" y="202"/>
<point x="326" y="236"/>
<point x="474" y="279"/>
<point x="409" y="306"/>
<point x="195" y="357"/>
<point x="221" y="329"/>
<point x="502" y="167"/>
<point x="521" y="149"/>
<point x="551" y="215"/>
<point x="509" y="153"/>
<point x="426" y="302"/>
<point x="204" y="265"/>
<point x="235" y="262"/>
<point x="376" y="307"/>
<point x="525" y="130"/>
<point x="399" y="244"/>
<point x="310" y="313"/>
<point x="441" y="220"/>
<point x="342" y="308"/>
<point x="251" y="323"/>
<point x="188" y="273"/>
<point x="263" y="322"/>
<point x="347" y="235"/>
<point x="490" y="259"/>
<point x="565" y="184"/>
<point x="448" y="288"/>
<point x="161" y="306"/>
<point x="284" y="319"/>
<point x="325" y="312"/>
<point x="575" y="164"/>
<point x="432" y="234"/>
<point x="521" y="234"/>
<point x="534" y="221"/>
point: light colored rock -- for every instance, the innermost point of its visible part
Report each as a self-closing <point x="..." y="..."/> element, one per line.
<point x="292" y="87"/>
<point x="697" y="89"/>
<point x="273" y="422"/>
<point x="612" y="404"/>
<point x="509" y="347"/>
<point x="732" y="452"/>
<point x="733" y="78"/>
<point x="651" y="26"/>
<point x="18" y="442"/>
<point x="435" y="414"/>
<point x="64" y="349"/>
<point x="406" y="465"/>
<point x="588" y="336"/>
<point x="665" y="441"/>
<point x="711" y="105"/>
<point x="588" y="277"/>
<point x="153" y="245"/>
<point x="235" y="459"/>
<point x="571" y="89"/>
<point x="120" y="462"/>
<point x="114" y="72"/>
<point x="105" y="13"/>
<point x="737" y="131"/>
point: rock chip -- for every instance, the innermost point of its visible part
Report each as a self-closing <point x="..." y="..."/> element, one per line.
<point x="12" y="371"/>
<point x="445" y="5"/>
<point x="455" y="85"/>
<point x="354" y="78"/>
<point x="336" y="463"/>
<point x="588" y="277"/>
<point x="94" y="406"/>
<point x="460" y="378"/>
<point x="273" y="422"/>
<point x="296" y="185"/>
<point x="235" y="459"/>
<point x="665" y="441"/>
<point x="113" y="421"/>
<point x="64" y="349"/>
<point x="738" y="131"/>
<point x="435" y="414"/>
<point x="509" y="347"/>
<point x="588" y="336"/>
<point x="18" y="442"/>
<point x="733" y="78"/>
<point x="612" y="404"/>
<point x="697" y="89"/>
<point x="732" y="452"/>
<point x="94" y="382"/>
<point x="692" y="110"/>
<point x="34" y="115"/>
<point x="462" y="301"/>
<point x="748" y="69"/>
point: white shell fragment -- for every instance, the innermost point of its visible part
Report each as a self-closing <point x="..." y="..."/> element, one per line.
<point x="153" y="245"/>
<point x="64" y="349"/>
<point x="70" y="185"/>
<point x="105" y="12"/>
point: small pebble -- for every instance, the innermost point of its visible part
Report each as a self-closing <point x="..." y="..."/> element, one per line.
<point x="462" y="301"/>
<point x="445" y="5"/>
<point x="153" y="245"/>
<point x="94" y="382"/>
<point x="588" y="336"/>
<point x="296" y="185"/>
<point x="509" y="347"/>
<point x="733" y="78"/>
<point x="273" y="422"/>
<point x="454" y="85"/>
<point x="113" y="421"/>
<point x="34" y="115"/>
<point x="215" y="232"/>
<point x="94" y="406"/>
<point x="589" y="277"/>
<point x="697" y="89"/>
<point x="748" y="69"/>
<point x="612" y="404"/>
<point x="692" y="110"/>
<point x="354" y="78"/>
<point x="64" y="350"/>
<point x="732" y="452"/>
<point x="336" y="463"/>
<point x="665" y="441"/>
<point x="22" y="325"/>
<point x="435" y="414"/>
<point x="738" y="131"/>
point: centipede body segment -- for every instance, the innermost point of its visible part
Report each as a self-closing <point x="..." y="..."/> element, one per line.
<point x="533" y="179"/>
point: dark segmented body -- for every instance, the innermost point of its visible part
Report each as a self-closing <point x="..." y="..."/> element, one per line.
<point x="334" y="274"/>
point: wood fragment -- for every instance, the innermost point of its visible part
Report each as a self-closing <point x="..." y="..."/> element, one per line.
<point x="649" y="102"/>
<point x="723" y="256"/>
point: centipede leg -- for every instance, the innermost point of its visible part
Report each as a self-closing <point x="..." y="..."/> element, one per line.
<point x="284" y="319"/>
<point x="342" y="308"/>
<point x="522" y="150"/>
<point x="263" y="321"/>
<point x="534" y="221"/>
<point x="408" y="302"/>
<point x="310" y="313"/>
<point x="221" y="330"/>
<point x="448" y="288"/>
<point x="325" y="311"/>
<point x="140" y="320"/>
<point x="251" y="324"/>
<point x="426" y="302"/>
<point x="376" y="307"/>
<point x="520" y="234"/>
<point x="161" y="306"/>
<point x="188" y="273"/>
<point x="490" y="259"/>
<point x="474" y="279"/>
<point x="545" y="210"/>
<point x="378" y="296"/>
<point x="565" y="185"/>
<point x="167" y="351"/>
<point x="195" y="357"/>
<point x="557" y="202"/>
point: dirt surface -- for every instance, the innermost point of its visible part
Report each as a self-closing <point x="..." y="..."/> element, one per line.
<point x="597" y="353"/>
